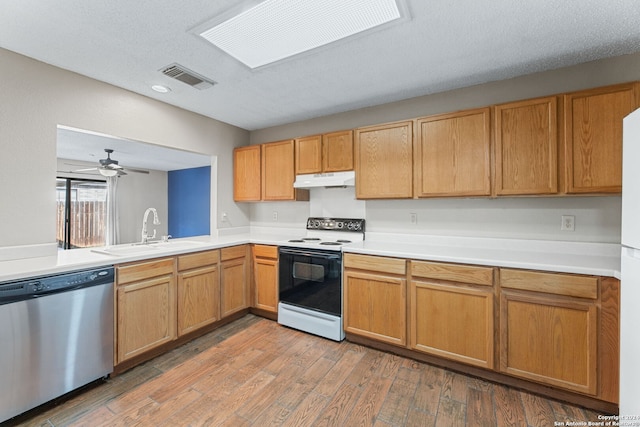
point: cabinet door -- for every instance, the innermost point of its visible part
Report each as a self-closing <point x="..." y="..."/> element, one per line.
<point x="146" y="316"/>
<point x="375" y="306"/>
<point x="526" y="159"/>
<point x="384" y="162"/>
<point x="453" y="321"/>
<point x="198" y="298"/>
<point x="309" y="155"/>
<point x="233" y="287"/>
<point x="246" y="174"/>
<point x="593" y="137"/>
<point x="337" y="151"/>
<point x="266" y="284"/>
<point x="278" y="171"/>
<point x="549" y="340"/>
<point x="452" y="154"/>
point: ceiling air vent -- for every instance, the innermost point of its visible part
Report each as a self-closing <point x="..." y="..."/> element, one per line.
<point x="185" y="75"/>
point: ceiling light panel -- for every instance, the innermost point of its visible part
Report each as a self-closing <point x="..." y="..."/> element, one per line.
<point x="277" y="29"/>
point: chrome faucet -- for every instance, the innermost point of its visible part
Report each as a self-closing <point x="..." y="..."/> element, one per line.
<point x="156" y="221"/>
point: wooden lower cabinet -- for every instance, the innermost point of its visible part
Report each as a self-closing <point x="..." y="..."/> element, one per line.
<point x="265" y="271"/>
<point x="234" y="290"/>
<point x="198" y="290"/>
<point x="146" y="301"/>
<point x="453" y="319"/>
<point x="552" y="339"/>
<point x="375" y="298"/>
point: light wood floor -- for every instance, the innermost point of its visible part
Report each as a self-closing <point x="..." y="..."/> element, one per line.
<point x="254" y="372"/>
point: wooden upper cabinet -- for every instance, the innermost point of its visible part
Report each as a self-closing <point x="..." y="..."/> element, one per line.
<point x="384" y="161"/>
<point x="332" y="152"/>
<point x="526" y="147"/>
<point x="246" y="174"/>
<point x="337" y="151"/>
<point x="309" y="155"/>
<point x="278" y="172"/>
<point x="452" y="154"/>
<point x="593" y="137"/>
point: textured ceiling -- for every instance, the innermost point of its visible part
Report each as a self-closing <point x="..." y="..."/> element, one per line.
<point x="443" y="45"/>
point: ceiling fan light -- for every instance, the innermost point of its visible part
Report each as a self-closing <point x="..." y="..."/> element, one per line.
<point x="108" y="172"/>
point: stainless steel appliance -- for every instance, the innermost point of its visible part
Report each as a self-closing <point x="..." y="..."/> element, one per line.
<point x="310" y="276"/>
<point x="56" y="334"/>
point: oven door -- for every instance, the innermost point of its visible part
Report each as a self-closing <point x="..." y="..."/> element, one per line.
<point x="311" y="279"/>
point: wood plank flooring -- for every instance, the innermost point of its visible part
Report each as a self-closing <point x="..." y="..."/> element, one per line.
<point x="254" y="372"/>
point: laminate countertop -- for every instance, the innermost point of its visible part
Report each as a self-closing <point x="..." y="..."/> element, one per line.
<point x="601" y="259"/>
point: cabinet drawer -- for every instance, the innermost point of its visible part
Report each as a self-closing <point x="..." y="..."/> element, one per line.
<point x="198" y="259"/>
<point x="264" y="251"/>
<point x="136" y="271"/>
<point x="453" y="272"/>
<point x="376" y="263"/>
<point x="233" y="252"/>
<point x="559" y="284"/>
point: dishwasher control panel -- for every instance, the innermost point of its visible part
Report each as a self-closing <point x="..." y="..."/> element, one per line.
<point x="23" y="289"/>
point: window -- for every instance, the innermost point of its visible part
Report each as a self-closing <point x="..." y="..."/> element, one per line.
<point x="82" y="213"/>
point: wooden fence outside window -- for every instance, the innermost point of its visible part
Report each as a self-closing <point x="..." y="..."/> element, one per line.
<point x="88" y="223"/>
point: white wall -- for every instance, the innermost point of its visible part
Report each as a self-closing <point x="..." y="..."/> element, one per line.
<point x="597" y="218"/>
<point x="37" y="97"/>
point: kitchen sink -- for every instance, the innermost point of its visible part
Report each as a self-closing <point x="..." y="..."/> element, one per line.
<point x="129" y="249"/>
<point x="151" y="247"/>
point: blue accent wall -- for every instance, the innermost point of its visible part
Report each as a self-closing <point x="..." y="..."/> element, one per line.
<point x="189" y="202"/>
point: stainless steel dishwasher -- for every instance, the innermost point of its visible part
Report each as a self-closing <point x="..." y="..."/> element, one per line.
<point x="56" y="334"/>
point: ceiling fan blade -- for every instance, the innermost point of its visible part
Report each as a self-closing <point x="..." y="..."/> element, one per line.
<point x="74" y="164"/>
<point x="85" y="170"/>
<point x="137" y="170"/>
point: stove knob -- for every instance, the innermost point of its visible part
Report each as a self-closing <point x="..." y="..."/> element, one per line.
<point x="339" y="224"/>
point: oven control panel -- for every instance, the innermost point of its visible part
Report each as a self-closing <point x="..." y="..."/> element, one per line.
<point x="337" y="224"/>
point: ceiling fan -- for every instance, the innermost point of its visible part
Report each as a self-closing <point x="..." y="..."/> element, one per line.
<point x="110" y="167"/>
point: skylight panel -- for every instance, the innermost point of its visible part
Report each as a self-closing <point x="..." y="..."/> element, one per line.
<point x="278" y="29"/>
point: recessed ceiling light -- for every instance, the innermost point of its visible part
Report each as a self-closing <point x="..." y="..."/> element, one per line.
<point x="160" y="88"/>
<point x="277" y="29"/>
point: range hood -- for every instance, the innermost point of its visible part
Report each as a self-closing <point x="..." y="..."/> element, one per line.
<point x="329" y="179"/>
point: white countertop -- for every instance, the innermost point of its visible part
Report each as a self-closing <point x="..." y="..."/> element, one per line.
<point x="602" y="259"/>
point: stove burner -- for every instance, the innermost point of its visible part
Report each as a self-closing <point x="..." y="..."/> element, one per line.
<point x="343" y="241"/>
<point x="296" y="241"/>
<point x="310" y="239"/>
<point x="331" y="243"/>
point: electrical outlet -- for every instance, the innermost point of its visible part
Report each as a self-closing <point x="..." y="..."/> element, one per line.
<point x="568" y="223"/>
<point x="274" y="215"/>
<point x="413" y="218"/>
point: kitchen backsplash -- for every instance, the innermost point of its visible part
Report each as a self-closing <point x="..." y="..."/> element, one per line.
<point x="597" y="219"/>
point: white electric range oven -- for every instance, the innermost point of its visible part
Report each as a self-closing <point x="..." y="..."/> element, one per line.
<point x="310" y="276"/>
